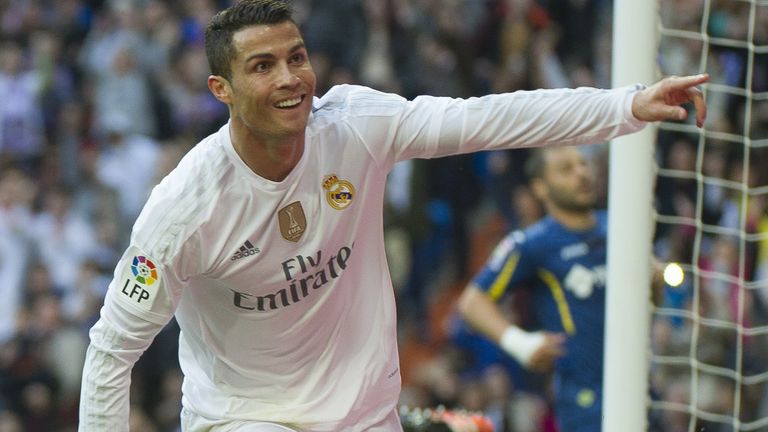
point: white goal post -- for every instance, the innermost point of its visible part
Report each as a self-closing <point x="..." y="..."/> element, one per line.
<point x="699" y="360"/>
<point x="630" y="221"/>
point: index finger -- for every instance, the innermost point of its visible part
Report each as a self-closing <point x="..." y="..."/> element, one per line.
<point x="686" y="82"/>
<point x="688" y="85"/>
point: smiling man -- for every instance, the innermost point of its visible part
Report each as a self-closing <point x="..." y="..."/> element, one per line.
<point x="266" y="241"/>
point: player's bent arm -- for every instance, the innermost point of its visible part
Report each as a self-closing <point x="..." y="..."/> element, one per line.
<point x="118" y="339"/>
<point x="483" y="315"/>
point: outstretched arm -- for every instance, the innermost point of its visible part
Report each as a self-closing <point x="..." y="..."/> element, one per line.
<point x="663" y="100"/>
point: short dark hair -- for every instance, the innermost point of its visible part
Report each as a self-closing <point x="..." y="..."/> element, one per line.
<point x="535" y="163"/>
<point x="244" y="13"/>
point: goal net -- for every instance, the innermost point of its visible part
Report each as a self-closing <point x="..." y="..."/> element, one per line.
<point x="709" y="337"/>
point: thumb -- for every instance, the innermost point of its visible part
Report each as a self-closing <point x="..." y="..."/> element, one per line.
<point x="672" y="113"/>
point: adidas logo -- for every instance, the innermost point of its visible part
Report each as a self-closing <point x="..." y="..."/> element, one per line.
<point x="246" y="250"/>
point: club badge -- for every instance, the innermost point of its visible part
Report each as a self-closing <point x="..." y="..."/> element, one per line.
<point x="339" y="193"/>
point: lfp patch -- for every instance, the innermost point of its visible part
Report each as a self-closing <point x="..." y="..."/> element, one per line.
<point x="137" y="288"/>
<point x="144" y="270"/>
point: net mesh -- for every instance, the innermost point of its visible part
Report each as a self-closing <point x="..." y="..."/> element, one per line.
<point x="709" y="348"/>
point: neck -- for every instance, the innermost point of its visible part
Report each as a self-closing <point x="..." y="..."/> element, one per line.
<point x="272" y="158"/>
<point x="576" y="220"/>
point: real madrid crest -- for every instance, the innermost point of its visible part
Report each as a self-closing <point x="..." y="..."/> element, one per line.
<point x="292" y="221"/>
<point x="339" y="193"/>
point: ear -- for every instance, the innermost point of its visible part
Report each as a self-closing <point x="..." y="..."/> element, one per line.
<point x="220" y="88"/>
<point x="539" y="189"/>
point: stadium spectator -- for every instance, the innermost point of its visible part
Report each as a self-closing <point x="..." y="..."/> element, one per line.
<point x="59" y="227"/>
<point x="21" y="122"/>
<point x="119" y="69"/>
<point x="16" y="195"/>
<point x="123" y="152"/>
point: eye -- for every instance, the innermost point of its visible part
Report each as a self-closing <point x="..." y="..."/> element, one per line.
<point x="261" y="67"/>
<point x="298" y="58"/>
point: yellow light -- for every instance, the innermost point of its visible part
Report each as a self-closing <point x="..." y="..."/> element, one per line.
<point x="673" y="274"/>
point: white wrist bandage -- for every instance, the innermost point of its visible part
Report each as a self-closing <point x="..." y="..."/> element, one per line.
<point x="521" y="344"/>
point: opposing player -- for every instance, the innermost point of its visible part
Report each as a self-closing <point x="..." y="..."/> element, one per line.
<point x="562" y="260"/>
<point x="266" y="241"/>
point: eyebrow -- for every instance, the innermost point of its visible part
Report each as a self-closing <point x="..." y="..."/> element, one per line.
<point x="299" y="45"/>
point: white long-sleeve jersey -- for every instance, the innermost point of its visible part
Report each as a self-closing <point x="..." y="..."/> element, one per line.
<point x="281" y="289"/>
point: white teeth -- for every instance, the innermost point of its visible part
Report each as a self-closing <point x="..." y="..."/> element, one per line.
<point x="288" y="103"/>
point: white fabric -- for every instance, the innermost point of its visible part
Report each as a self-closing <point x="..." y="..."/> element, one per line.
<point x="191" y="422"/>
<point x="521" y="344"/>
<point x="321" y="353"/>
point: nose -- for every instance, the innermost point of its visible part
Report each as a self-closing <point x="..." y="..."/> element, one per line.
<point x="287" y="77"/>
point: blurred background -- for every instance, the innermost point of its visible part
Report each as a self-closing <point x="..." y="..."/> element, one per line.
<point x="100" y="99"/>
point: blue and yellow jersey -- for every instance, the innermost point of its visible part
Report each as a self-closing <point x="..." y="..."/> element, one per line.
<point x="565" y="271"/>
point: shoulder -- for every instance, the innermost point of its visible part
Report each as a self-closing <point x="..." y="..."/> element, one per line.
<point x="537" y="239"/>
<point x="514" y="242"/>
<point x="358" y="101"/>
<point x="180" y="203"/>
<point x="543" y="230"/>
<point x="523" y="238"/>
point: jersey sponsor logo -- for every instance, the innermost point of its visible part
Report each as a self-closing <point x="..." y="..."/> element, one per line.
<point x="339" y="193"/>
<point x="303" y="275"/>
<point x="143" y="274"/>
<point x="581" y="281"/>
<point x="292" y="221"/>
<point x="247" y="249"/>
<point x="574" y="251"/>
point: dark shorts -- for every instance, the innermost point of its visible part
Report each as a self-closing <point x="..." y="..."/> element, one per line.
<point x="578" y="408"/>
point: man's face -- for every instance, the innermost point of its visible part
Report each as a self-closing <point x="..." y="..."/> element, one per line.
<point x="272" y="82"/>
<point x="568" y="180"/>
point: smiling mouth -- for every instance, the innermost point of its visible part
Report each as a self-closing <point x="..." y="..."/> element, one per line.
<point x="289" y="103"/>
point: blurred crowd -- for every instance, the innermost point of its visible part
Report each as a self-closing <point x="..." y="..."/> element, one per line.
<point x="100" y="99"/>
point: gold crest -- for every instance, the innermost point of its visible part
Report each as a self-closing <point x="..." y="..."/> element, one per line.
<point x="339" y="192"/>
<point x="292" y="220"/>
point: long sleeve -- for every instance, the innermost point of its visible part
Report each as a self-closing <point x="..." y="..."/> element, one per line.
<point x="117" y="342"/>
<point x="533" y="118"/>
<point x="429" y="127"/>
<point x="138" y="304"/>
